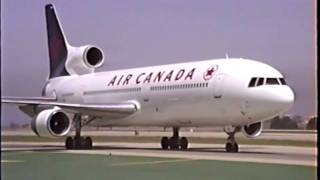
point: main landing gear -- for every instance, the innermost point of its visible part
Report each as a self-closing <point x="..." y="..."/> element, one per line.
<point x="174" y="142"/>
<point x="181" y="143"/>
<point x="232" y="145"/>
<point x="78" y="141"/>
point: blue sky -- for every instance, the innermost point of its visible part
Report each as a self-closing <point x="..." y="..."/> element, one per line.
<point x="142" y="33"/>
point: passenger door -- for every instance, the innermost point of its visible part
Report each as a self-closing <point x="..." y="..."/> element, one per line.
<point x="218" y="86"/>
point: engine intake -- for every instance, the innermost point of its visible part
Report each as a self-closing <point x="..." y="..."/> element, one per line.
<point x="252" y="130"/>
<point x="93" y="57"/>
<point x="51" y="123"/>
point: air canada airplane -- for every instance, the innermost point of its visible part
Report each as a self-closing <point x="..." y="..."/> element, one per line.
<point x="233" y="93"/>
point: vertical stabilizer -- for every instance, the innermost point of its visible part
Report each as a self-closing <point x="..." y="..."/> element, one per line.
<point x="56" y="43"/>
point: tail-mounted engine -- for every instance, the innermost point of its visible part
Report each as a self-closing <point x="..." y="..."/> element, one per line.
<point x="84" y="59"/>
<point x="252" y="130"/>
<point x="51" y="123"/>
<point x="93" y="57"/>
<point x="65" y="59"/>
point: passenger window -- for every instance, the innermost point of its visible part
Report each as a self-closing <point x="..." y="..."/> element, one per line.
<point x="252" y="82"/>
<point x="260" y="81"/>
<point x="283" y="82"/>
<point x="272" y="81"/>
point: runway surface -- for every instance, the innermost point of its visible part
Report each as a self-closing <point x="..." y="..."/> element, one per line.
<point x="50" y="165"/>
<point x="310" y="136"/>
<point x="289" y="155"/>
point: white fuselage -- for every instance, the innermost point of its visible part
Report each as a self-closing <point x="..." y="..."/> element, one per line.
<point x="204" y="93"/>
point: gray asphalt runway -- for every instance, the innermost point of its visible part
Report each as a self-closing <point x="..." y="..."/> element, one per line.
<point x="248" y="153"/>
<point x="272" y="135"/>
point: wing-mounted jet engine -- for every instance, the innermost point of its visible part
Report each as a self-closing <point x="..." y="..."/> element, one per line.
<point x="252" y="130"/>
<point x="51" y="123"/>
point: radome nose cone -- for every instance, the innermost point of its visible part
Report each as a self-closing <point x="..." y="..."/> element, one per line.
<point x="287" y="99"/>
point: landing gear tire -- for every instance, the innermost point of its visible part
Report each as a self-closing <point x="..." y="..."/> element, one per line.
<point x="232" y="147"/>
<point x="174" y="143"/>
<point x="69" y="143"/>
<point x="88" y="142"/>
<point x="78" y="143"/>
<point x="183" y="143"/>
<point x="236" y="147"/>
<point x="165" y="143"/>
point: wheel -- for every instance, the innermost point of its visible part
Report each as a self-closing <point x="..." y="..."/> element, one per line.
<point x="236" y="147"/>
<point x="88" y="143"/>
<point x="83" y="143"/>
<point x="229" y="147"/>
<point x="164" y="142"/>
<point x="69" y="143"/>
<point x="174" y="143"/>
<point x="79" y="143"/>
<point x="184" y="143"/>
<point x="232" y="147"/>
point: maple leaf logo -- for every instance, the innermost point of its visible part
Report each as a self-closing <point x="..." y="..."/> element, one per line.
<point x="210" y="72"/>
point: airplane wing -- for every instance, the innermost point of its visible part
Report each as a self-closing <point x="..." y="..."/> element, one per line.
<point x="28" y="105"/>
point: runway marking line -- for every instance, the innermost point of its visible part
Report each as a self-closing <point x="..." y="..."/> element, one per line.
<point x="151" y="162"/>
<point x="11" y="161"/>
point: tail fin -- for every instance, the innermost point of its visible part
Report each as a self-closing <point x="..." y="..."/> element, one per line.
<point x="56" y="43"/>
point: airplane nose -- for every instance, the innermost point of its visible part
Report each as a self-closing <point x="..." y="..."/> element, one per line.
<point x="286" y="99"/>
<point x="275" y="100"/>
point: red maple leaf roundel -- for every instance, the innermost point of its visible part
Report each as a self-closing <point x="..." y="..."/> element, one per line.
<point x="208" y="74"/>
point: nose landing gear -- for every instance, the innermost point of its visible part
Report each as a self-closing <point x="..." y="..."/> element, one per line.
<point x="232" y="145"/>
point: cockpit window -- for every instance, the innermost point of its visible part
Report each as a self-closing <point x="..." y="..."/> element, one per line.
<point x="272" y="81"/>
<point x="283" y="82"/>
<point x="260" y="81"/>
<point x="252" y="82"/>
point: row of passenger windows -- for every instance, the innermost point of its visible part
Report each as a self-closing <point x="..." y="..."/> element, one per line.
<point x="152" y="88"/>
<point x="123" y="90"/>
<point x="178" y="86"/>
<point x="259" y="81"/>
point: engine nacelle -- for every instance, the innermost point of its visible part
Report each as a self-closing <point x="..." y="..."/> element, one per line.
<point x="252" y="130"/>
<point x="51" y="123"/>
<point x="92" y="57"/>
<point x="84" y="59"/>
